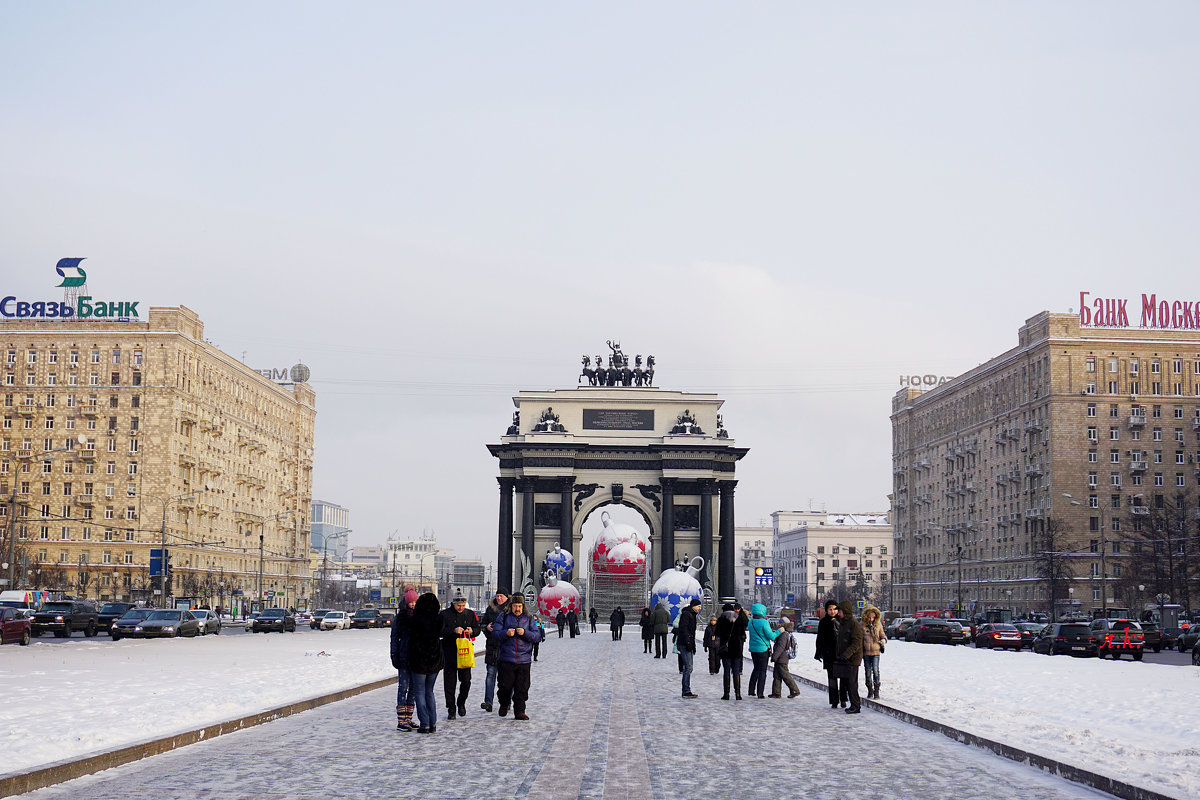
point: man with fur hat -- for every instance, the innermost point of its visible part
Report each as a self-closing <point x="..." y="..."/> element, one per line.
<point x="498" y="604"/>
<point x="458" y="622"/>
<point x="849" y="654"/>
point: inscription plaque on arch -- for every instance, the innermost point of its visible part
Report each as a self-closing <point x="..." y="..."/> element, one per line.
<point x="618" y="419"/>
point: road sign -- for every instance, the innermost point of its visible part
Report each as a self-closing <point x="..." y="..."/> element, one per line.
<point x="156" y="557"/>
<point x="270" y="595"/>
<point x="791" y="598"/>
<point x="862" y="604"/>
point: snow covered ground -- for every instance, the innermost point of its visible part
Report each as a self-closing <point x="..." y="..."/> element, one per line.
<point x="1137" y="722"/>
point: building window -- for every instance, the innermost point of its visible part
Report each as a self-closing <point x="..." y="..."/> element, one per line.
<point x="1114" y="434"/>
<point x="1091" y="409"/>
<point x="1114" y="456"/>
<point x="1092" y="434"/>
<point x="1090" y="365"/>
<point x="1093" y="479"/>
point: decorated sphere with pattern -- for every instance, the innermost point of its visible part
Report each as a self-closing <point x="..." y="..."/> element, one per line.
<point x="559" y="596"/>
<point x="675" y="588"/>
<point x="561" y="562"/>
<point x="625" y="561"/>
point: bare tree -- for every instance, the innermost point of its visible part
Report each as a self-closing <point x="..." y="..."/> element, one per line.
<point x="1163" y="555"/>
<point x="1053" y="564"/>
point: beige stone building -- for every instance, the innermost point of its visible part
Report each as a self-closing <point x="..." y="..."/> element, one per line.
<point x="120" y="434"/>
<point x="981" y="464"/>
<point x="820" y="555"/>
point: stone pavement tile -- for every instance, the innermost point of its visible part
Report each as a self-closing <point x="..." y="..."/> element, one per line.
<point x="607" y="723"/>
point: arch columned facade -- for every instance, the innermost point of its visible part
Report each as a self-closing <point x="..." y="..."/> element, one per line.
<point x="664" y="453"/>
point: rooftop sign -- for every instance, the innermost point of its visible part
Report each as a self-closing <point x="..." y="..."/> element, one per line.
<point x="74" y="304"/>
<point x="1108" y="312"/>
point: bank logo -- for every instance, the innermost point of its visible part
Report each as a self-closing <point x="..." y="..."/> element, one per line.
<point x="69" y="270"/>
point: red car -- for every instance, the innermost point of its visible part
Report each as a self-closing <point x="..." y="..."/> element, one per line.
<point x="14" y="626"/>
<point x="998" y="634"/>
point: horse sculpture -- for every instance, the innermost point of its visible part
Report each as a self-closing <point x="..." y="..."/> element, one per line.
<point x="588" y="372"/>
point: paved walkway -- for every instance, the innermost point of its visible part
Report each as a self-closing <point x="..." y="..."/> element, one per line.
<point x="607" y="724"/>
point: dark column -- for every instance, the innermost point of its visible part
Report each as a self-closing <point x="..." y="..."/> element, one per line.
<point x="526" y="487"/>
<point x="504" y="544"/>
<point x="726" y="581"/>
<point x="667" y="558"/>
<point x="707" y="490"/>
<point x="567" y="522"/>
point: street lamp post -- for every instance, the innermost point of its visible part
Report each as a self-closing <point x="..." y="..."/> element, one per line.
<point x="162" y="539"/>
<point x="262" y="534"/>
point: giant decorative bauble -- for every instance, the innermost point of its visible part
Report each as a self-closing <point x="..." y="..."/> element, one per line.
<point x="558" y="596"/>
<point x="560" y="562"/>
<point x="626" y="562"/>
<point x="677" y="587"/>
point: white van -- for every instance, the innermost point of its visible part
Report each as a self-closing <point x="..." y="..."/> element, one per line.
<point x="28" y="600"/>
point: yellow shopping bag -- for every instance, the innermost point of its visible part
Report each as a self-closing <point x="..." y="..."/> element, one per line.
<point x="466" y="653"/>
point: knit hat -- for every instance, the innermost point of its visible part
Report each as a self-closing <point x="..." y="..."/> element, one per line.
<point x="410" y="596"/>
<point x="695" y="602"/>
<point x="502" y="591"/>
<point x="727" y="607"/>
<point x="460" y="598"/>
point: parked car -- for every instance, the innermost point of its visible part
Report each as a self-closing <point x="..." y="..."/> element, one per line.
<point x="999" y="634"/>
<point x="966" y="631"/>
<point x="1188" y="639"/>
<point x="317" y="616"/>
<point x="809" y="625"/>
<point x="110" y="613"/>
<point x="167" y="623"/>
<point x="209" y="621"/>
<point x="64" y="617"/>
<point x="274" y="619"/>
<point x="365" y="618"/>
<point x="931" y="629"/>
<point x="128" y="622"/>
<point x="1065" y="638"/>
<point x="1118" y="637"/>
<point x="1152" y="638"/>
<point x="1029" y="631"/>
<point x="1170" y="638"/>
<point x="14" y="626"/>
<point x="335" y="621"/>
<point x="900" y="627"/>
<point x="386" y="618"/>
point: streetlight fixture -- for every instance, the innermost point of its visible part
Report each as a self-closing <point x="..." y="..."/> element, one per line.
<point x="46" y="456"/>
<point x="1103" y="568"/>
<point x="162" y="539"/>
<point x="262" y="532"/>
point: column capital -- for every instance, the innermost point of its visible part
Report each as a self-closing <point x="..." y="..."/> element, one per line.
<point x="727" y="487"/>
<point x="668" y="483"/>
<point x="506" y="483"/>
<point x="708" y="486"/>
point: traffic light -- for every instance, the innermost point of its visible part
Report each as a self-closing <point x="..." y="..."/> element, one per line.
<point x="166" y="573"/>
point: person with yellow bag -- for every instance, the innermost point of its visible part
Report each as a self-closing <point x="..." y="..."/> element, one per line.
<point x="458" y="623"/>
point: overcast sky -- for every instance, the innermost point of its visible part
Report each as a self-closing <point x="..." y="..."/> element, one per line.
<point x="436" y="205"/>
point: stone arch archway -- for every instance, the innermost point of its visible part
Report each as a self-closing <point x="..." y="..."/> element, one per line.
<point x="664" y="453"/>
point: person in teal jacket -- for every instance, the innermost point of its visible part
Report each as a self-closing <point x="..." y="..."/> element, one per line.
<point x="759" y="638"/>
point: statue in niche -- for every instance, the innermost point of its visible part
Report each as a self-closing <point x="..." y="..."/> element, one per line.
<point x="721" y="432"/>
<point x="515" y="428"/>
<point x="549" y="423"/>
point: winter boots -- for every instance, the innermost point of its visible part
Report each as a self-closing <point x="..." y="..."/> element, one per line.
<point x="404" y="715"/>
<point x="873" y="691"/>
<point x="726" y="681"/>
<point x="737" y="686"/>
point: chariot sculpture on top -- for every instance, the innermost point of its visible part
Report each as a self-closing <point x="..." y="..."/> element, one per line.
<point x="618" y="371"/>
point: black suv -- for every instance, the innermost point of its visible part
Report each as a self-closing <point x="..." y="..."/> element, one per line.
<point x="110" y="613"/>
<point x="365" y="618"/>
<point x="274" y="619"/>
<point x="64" y="617"/>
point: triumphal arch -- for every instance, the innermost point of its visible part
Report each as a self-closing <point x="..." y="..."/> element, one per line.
<point x="615" y="437"/>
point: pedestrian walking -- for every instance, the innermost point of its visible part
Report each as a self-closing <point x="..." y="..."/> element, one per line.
<point x="517" y="633"/>
<point x="646" y="623"/>
<point x="425" y="658"/>
<point x="873" y="641"/>
<point x="711" y="646"/>
<point x="498" y="604"/>
<point x="781" y="653"/>
<point x="827" y="649"/>
<point x="731" y="635"/>
<point x="399" y="651"/>
<point x="685" y="640"/>
<point x="616" y="621"/>
<point x="662" y="626"/>
<point x="458" y="622"/>
<point x="560" y="619"/>
<point x="759" y="639"/>
<point x="849" y="654"/>
<point x="593" y="617"/>
<point x="573" y="623"/>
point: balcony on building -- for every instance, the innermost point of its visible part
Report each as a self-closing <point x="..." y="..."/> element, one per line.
<point x="1137" y="420"/>
<point x="1137" y="466"/>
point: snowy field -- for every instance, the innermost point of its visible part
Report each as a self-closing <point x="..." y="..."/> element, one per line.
<point x="1136" y="722"/>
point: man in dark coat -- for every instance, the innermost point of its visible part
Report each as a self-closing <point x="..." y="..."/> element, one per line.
<point x="827" y="630"/>
<point x="573" y="623"/>
<point x="496" y="607"/>
<point x="662" y="626"/>
<point x="686" y="639"/>
<point x="560" y="619"/>
<point x="458" y="622"/>
<point x="593" y="617"/>
<point x="849" y="654"/>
